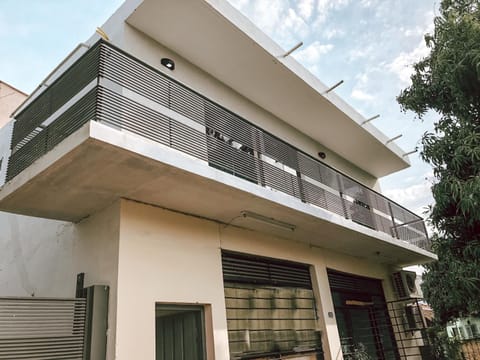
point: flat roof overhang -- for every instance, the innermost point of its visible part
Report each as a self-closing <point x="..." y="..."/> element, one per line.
<point x="214" y="36"/>
<point x="87" y="172"/>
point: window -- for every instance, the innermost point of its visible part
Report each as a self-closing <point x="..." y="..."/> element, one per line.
<point x="179" y="332"/>
<point x="270" y="307"/>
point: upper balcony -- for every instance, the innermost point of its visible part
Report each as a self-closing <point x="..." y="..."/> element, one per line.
<point x="113" y="127"/>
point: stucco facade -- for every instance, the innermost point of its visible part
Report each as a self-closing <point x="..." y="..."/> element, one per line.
<point x="155" y="222"/>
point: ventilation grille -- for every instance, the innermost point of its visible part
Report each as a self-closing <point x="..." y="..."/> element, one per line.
<point x="352" y="283"/>
<point x="41" y="329"/>
<point x="247" y="269"/>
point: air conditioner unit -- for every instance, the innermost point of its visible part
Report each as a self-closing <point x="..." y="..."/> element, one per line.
<point x="404" y="283"/>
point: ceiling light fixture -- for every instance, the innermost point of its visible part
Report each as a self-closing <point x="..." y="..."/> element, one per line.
<point x="168" y="63"/>
<point x="268" y="220"/>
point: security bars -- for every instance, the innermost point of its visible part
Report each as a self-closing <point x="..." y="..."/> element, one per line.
<point x="110" y="86"/>
<point x="270" y="308"/>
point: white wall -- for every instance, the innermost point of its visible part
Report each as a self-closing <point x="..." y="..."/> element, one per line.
<point x="175" y="258"/>
<point x="41" y="257"/>
<point x="5" y="139"/>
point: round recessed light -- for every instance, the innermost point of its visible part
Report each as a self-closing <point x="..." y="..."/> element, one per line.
<point x="168" y="63"/>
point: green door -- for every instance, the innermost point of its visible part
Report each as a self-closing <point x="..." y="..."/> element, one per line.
<point x="179" y="333"/>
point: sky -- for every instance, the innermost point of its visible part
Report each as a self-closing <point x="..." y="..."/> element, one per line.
<point x="369" y="44"/>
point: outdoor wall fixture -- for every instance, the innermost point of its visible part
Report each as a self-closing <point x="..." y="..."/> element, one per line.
<point x="292" y="49"/>
<point x="370" y="119"/>
<point x="333" y="87"/>
<point x="410" y="152"/>
<point x="322" y="155"/>
<point x="168" y="63"/>
<point x="268" y="220"/>
<point x="393" y="139"/>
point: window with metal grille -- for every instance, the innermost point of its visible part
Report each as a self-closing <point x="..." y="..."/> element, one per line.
<point x="270" y="308"/>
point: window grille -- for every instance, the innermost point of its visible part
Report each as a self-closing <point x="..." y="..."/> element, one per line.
<point x="270" y="308"/>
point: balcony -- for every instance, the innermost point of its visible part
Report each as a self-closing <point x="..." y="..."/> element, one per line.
<point x="111" y="92"/>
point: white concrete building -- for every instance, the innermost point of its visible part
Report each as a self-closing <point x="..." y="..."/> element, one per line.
<point x="230" y="203"/>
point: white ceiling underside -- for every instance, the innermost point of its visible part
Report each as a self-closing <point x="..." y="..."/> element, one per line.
<point x="218" y="39"/>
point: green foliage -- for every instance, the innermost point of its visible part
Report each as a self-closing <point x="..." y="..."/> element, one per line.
<point x="443" y="347"/>
<point x="359" y="352"/>
<point x="448" y="82"/>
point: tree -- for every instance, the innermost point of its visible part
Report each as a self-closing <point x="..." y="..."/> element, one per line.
<point x="447" y="82"/>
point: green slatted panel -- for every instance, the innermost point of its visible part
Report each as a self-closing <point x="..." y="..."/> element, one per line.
<point x="270" y="307"/>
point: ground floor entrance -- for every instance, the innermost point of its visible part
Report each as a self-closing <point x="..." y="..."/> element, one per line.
<point x="362" y="317"/>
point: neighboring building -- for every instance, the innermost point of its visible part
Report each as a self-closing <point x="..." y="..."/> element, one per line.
<point x="10" y="99"/>
<point x="229" y="202"/>
<point x="464" y="328"/>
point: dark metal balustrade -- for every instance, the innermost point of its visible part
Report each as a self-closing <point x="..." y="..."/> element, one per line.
<point x="110" y="86"/>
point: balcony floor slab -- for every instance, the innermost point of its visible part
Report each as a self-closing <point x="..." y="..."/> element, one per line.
<point x="98" y="164"/>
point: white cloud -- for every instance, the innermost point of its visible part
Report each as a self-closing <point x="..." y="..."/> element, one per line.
<point x="360" y="90"/>
<point x="323" y="9"/>
<point x="414" y="197"/>
<point x="267" y="14"/>
<point x="294" y="24"/>
<point x="359" y="53"/>
<point x="312" y="54"/>
<point x="333" y="33"/>
<point x="402" y="65"/>
<point x="368" y="3"/>
<point x="361" y="95"/>
<point x="305" y="8"/>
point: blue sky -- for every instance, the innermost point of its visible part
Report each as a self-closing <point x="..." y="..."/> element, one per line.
<point x="370" y="44"/>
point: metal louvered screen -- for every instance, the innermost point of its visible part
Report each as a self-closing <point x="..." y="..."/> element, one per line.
<point x="270" y="308"/>
<point x="41" y="329"/>
<point x="260" y="270"/>
<point x="136" y="97"/>
<point x="351" y="283"/>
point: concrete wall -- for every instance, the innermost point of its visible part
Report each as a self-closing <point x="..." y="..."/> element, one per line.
<point x="41" y="257"/>
<point x="174" y="258"/>
<point x="150" y="51"/>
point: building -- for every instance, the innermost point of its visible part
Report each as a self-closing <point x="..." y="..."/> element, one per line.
<point x="230" y="202"/>
<point x="10" y="98"/>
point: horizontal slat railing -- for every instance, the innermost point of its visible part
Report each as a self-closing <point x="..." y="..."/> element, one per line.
<point x="33" y="328"/>
<point x="203" y="129"/>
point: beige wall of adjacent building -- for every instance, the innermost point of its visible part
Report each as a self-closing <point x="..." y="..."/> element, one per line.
<point x="10" y="99"/>
<point x="167" y="257"/>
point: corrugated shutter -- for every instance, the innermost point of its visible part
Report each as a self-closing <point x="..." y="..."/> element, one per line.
<point x="249" y="269"/>
<point x="35" y="328"/>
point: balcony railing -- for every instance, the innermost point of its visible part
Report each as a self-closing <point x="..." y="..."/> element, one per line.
<point x="112" y="87"/>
